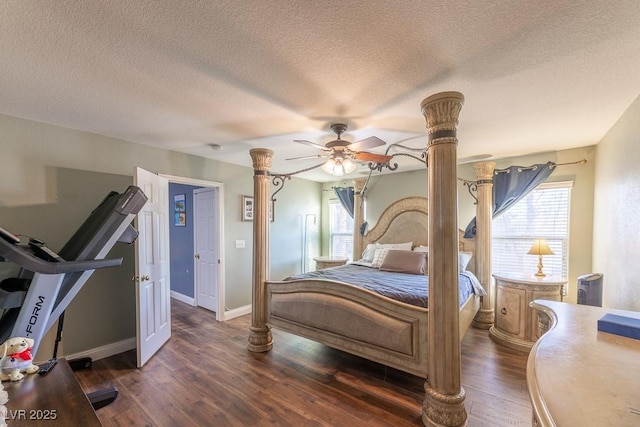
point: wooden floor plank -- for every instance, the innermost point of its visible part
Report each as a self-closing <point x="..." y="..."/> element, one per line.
<point x="205" y="375"/>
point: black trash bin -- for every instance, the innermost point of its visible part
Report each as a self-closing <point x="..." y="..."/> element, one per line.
<point x="590" y="289"/>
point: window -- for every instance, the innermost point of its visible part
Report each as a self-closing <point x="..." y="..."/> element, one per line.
<point x="543" y="213"/>
<point x="340" y="231"/>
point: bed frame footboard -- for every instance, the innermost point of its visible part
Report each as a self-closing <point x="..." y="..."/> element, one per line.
<point x="356" y="320"/>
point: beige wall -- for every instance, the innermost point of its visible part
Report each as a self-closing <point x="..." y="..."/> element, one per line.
<point x="580" y="210"/>
<point x="48" y="172"/>
<point x="52" y="177"/>
<point x="617" y="205"/>
<point x="385" y="189"/>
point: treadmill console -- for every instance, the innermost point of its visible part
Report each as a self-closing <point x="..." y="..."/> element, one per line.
<point x="10" y="237"/>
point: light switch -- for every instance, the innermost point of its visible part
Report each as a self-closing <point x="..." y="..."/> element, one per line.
<point x="239" y="244"/>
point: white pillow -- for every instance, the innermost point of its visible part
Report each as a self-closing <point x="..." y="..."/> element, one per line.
<point x="378" y="257"/>
<point x="421" y="248"/>
<point x="463" y="260"/>
<point x="369" y="252"/>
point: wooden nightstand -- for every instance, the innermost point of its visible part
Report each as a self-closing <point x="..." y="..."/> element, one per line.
<point x="329" y="261"/>
<point x="516" y="324"/>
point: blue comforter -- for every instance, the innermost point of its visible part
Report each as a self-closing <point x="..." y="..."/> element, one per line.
<point x="408" y="288"/>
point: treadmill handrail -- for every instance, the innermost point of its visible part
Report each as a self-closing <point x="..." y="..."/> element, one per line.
<point x="89" y="264"/>
<point x="27" y="260"/>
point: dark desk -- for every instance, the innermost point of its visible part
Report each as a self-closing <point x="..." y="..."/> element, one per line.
<point x="54" y="399"/>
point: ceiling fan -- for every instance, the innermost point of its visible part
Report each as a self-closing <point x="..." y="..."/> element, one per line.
<point x="341" y="153"/>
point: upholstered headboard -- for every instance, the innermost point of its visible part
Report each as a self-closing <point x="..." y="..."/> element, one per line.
<point x="406" y="220"/>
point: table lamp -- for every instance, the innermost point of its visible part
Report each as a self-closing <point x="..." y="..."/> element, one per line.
<point x="540" y="248"/>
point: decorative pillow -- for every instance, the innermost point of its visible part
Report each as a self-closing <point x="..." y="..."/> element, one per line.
<point x="401" y="261"/>
<point x="378" y="257"/>
<point x="463" y="260"/>
<point x="421" y="248"/>
<point x="369" y="252"/>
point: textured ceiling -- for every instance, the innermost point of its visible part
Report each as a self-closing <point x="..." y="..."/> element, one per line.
<point x="537" y="76"/>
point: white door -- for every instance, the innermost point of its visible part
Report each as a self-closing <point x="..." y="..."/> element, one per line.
<point x="207" y="261"/>
<point x="153" y="302"/>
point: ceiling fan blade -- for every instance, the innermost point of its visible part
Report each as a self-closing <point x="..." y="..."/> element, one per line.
<point x="313" y="144"/>
<point x="307" y="157"/>
<point x="365" y="144"/>
<point x="372" y="157"/>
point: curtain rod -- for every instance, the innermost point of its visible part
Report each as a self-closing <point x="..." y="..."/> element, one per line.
<point x="534" y="167"/>
<point x="335" y="186"/>
<point x="329" y="189"/>
<point x="577" y="162"/>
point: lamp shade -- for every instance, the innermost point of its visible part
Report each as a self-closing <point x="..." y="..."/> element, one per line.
<point x="348" y="166"/>
<point x="328" y="166"/>
<point x="540" y="247"/>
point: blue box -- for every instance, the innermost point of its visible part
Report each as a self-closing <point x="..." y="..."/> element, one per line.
<point x="620" y="325"/>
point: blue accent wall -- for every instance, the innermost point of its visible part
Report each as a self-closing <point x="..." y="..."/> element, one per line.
<point x="181" y="238"/>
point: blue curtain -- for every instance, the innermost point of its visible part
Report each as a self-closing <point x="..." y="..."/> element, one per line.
<point x="510" y="185"/>
<point x="345" y="195"/>
<point x="363" y="228"/>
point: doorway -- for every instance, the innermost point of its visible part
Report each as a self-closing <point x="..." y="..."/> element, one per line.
<point x="197" y="236"/>
<point x="207" y="248"/>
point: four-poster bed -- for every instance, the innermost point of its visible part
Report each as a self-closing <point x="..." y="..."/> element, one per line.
<point x="429" y="341"/>
<point x="321" y="307"/>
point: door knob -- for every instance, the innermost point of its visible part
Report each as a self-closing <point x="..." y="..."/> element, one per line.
<point x="143" y="278"/>
<point x="197" y="256"/>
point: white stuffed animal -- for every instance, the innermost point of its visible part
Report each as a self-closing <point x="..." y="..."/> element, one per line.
<point x="16" y="359"/>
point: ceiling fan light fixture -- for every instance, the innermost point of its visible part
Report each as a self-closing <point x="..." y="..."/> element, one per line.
<point x="341" y="153"/>
<point x="339" y="166"/>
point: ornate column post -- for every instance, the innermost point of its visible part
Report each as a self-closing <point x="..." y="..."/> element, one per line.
<point x="358" y="217"/>
<point x="260" y="339"/>
<point x="484" y="211"/>
<point x="444" y="395"/>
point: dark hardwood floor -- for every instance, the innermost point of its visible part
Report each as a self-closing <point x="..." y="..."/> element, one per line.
<point x="205" y="376"/>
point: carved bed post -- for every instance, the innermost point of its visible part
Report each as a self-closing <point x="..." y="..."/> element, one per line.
<point x="444" y="395"/>
<point x="484" y="211"/>
<point x="358" y="217"/>
<point x="260" y="339"/>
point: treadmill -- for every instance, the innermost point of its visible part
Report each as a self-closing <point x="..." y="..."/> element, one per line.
<point x="48" y="281"/>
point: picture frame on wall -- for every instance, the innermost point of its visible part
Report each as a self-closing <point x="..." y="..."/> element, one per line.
<point x="179" y="210"/>
<point x="247" y="208"/>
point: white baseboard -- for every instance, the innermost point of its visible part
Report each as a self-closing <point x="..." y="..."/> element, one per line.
<point x="237" y="312"/>
<point x="130" y="343"/>
<point x="183" y="298"/>
<point x="106" y="350"/>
